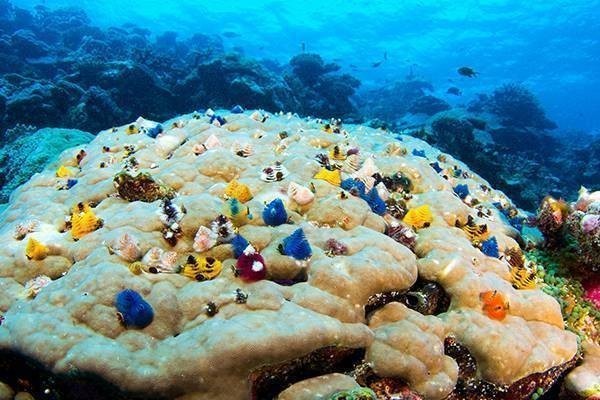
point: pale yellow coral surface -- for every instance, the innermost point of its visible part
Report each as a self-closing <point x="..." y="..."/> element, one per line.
<point x="585" y="379"/>
<point x="72" y="324"/>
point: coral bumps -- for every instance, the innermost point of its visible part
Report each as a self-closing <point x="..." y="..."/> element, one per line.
<point x="210" y="265"/>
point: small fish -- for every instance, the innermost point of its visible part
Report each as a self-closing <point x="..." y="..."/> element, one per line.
<point x="494" y="304"/>
<point x="454" y="90"/>
<point x="303" y="47"/>
<point x="230" y="34"/>
<point x="376" y="64"/>
<point x="467" y="71"/>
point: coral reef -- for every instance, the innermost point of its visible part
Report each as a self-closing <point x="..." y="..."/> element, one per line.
<point x="573" y="229"/>
<point x="516" y="107"/>
<point x="391" y="102"/>
<point x="224" y="302"/>
<point x="31" y="151"/>
<point x="60" y="70"/>
<point x="320" y="91"/>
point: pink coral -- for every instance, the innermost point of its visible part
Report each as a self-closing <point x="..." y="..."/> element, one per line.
<point x="592" y="290"/>
<point x="590" y="223"/>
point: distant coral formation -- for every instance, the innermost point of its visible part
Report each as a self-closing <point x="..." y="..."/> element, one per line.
<point x="31" y="152"/>
<point x="60" y="70"/>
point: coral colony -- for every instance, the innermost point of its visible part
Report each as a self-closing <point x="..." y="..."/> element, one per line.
<point x="397" y="267"/>
<point x="369" y="243"/>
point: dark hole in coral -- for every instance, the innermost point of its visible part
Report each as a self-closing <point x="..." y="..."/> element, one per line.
<point x="26" y="374"/>
<point x="268" y="381"/>
<point x="384" y="387"/>
<point x="411" y="300"/>
<point x="302" y="276"/>
<point x="469" y="387"/>
<point x="467" y="366"/>
<point x="428" y="298"/>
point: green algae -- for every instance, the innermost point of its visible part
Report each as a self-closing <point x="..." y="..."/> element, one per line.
<point x="553" y="268"/>
<point x="361" y="393"/>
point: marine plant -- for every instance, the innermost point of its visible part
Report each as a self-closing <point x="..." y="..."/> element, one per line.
<point x="133" y="310"/>
<point x="250" y="265"/>
<point x="419" y="217"/>
<point x="83" y="220"/>
<point x="35" y="250"/>
<point x="239" y="191"/>
<point x="239" y="244"/>
<point x="201" y="268"/>
<point x="296" y="246"/>
<point x="274" y="213"/>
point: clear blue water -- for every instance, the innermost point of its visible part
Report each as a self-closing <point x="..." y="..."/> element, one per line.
<point x="553" y="47"/>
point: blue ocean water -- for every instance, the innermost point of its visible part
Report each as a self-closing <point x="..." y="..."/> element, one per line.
<point x="520" y="78"/>
<point x="550" y="46"/>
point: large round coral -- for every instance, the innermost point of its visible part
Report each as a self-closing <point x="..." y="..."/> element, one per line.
<point x="214" y="333"/>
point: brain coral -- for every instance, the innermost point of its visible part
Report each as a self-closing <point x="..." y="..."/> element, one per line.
<point x="215" y="338"/>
